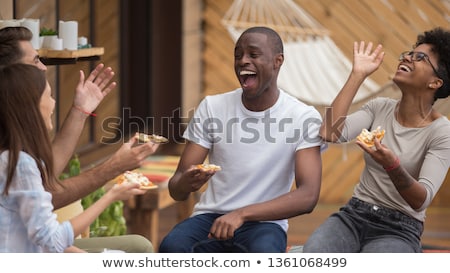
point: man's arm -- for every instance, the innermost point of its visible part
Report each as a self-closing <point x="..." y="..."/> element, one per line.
<point x="88" y="96"/>
<point x="302" y="200"/>
<point x="77" y="187"/>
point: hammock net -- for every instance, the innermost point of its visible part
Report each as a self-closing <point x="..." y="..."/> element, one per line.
<point x="314" y="68"/>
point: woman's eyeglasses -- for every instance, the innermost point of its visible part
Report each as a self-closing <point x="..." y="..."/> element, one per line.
<point x="417" y="56"/>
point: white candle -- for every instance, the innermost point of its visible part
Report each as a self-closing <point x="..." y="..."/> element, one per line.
<point x="82" y="41"/>
<point x="33" y="26"/>
<point x="9" y="23"/>
<point x="56" y="44"/>
<point x="68" y="31"/>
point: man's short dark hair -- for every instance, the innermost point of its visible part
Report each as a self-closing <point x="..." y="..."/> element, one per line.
<point x="10" y="50"/>
<point x="271" y="34"/>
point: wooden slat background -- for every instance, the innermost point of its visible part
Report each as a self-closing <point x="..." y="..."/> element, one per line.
<point x="395" y="26"/>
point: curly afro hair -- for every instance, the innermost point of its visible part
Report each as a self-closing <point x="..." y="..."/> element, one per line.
<point x="439" y="39"/>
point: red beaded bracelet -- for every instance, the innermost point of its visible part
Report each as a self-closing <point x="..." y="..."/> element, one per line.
<point x="394" y="166"/>
<point x="84" y="112"/>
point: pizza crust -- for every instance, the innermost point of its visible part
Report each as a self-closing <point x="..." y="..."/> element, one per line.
<point x="153" y="138"/>
<point x="209" y="167"/>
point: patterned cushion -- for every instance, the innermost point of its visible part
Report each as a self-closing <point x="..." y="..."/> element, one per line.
<point x="159" y="168"/>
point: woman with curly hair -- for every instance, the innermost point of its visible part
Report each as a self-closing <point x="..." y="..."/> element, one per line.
<point x="403" y="173"/>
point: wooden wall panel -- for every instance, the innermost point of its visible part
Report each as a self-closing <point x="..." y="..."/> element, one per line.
<point x="6" y="11"/>
<point x="192" y="50"/>
<point x="106" y="26"/>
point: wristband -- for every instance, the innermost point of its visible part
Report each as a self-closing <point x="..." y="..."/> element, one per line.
<point x="84" y="112"/>
<point x="394" y="165"/>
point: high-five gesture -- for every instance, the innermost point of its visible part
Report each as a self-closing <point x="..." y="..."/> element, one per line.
<point x="365" y="60"/>
<point x="90" y="92"/>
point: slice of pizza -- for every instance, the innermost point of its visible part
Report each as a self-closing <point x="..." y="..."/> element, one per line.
<point x="138" y="178"/>
<point x="368" y="137"/>
<point x="153" y="138"/>
<point x="209" y="167"/>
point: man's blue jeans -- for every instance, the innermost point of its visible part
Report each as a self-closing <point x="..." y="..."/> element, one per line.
<point x="191" y="235"/>
<point x="363" y="227"/>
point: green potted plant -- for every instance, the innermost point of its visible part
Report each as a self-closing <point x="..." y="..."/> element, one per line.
<point x="46" y="35"/>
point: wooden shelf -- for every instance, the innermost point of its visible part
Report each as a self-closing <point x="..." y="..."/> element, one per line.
<point x="57" y="57"/>
<point x="85" y="52"/>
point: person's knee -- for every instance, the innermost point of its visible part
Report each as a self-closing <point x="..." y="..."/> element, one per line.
<point x="173" y="244"/>
<point x="268" y="238"/>
<point x="263" y="246"/>
<point x="165" y="245"/>
<point x="127" y="243"/>
<point x="140" y="244"/>
<point x="311" y="247"/>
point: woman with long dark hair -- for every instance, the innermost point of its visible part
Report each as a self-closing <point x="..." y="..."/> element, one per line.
<point x="27" y="221"/>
